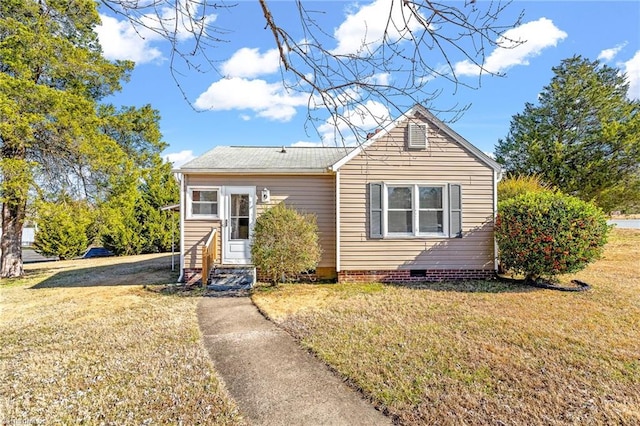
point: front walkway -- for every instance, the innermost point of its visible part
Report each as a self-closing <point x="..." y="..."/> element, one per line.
<point x="273" y="380"/>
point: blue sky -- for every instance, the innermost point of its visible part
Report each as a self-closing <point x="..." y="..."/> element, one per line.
<point x="242" y="101"/>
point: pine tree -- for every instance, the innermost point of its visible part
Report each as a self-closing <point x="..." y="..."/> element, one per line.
<point x="583" y="135"/>
<point x="52" y="76"/>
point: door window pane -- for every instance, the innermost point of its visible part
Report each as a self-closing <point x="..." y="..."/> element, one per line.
<point x="239" y="218"/>
<point x="239" y="204"/>
<point x="240" y="228"/>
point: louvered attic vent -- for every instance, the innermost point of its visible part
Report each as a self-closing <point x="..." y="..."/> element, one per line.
<point x="417" y="135"/>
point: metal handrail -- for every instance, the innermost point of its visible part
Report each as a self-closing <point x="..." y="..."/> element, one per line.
<point x="209" y="255"/>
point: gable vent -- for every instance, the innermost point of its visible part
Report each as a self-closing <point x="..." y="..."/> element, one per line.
<point x="417" y="135"/>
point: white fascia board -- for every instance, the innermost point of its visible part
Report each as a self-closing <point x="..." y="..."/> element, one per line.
<point x="438" y="123"/>
<point x="364" y="145"/>
<point x="256" y="171"/>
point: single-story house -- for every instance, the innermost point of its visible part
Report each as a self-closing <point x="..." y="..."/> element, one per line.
<point x="414" y="202"/>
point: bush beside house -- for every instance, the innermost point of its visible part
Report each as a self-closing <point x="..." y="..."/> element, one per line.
<point x="546" y="233"/>
<point x="285" y="244"/>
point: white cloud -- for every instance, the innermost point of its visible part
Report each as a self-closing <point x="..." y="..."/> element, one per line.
<point x="608" y="54"/>
<point x="516" y="47"/>
<point x="123" y="40"/>
<point x="365" y="28"/>
<point x="250" y="63"/>
<point x="307" y="144"/>
<point x="365" y="117"/>
<point x="632" y="69"/>
<point x="179" y="158"/>
<point x="119" y="40"/>
<point x="268" y="100"/>
<point x="381" y="79"/>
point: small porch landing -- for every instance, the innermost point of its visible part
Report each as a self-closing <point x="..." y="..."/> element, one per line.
<point x="231" y="277"/>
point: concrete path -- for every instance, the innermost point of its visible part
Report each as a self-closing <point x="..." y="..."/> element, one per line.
<point x="273" y="380"/>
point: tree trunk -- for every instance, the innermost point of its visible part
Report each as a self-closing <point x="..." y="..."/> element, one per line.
<point x="11" y="240"/>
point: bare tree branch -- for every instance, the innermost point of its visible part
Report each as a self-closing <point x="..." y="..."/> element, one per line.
<point x="422" y="41"/>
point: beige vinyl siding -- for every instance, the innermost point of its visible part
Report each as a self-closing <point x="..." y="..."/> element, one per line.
<point x="196" y="233"/>
<point x="306" y="193"/>
<point x="444" y="161"/>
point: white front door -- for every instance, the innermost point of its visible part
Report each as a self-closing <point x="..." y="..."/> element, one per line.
<point x="239" y="218"/>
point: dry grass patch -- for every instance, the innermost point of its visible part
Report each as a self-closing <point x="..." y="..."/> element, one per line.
<point x="83" y="342"/>
<point x="478" y="353"/>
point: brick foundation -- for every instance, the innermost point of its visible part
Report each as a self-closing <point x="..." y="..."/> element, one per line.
<point x="192" y="275"/>
<point x="415" y="276"/>
<point x="404" y="276"/>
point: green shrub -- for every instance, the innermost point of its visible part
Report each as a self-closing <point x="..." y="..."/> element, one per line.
<point x="285" y="243"/>
<point x="549" y="233"/>
<point x="62" y="228"/>
<point x="513" y="186"/>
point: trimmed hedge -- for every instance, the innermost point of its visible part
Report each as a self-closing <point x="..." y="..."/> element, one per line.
<point x="545" y="233"/>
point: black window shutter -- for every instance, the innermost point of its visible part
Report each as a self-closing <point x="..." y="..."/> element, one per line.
<point x="375" y="210"/>
<point x="455" y="211"/>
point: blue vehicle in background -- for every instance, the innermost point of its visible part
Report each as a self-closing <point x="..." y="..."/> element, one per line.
<point x="97" y="252"/>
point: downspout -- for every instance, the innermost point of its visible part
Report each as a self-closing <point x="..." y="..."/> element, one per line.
<point x="181" y="180"/>
<point x="337" y="221"/>
<point x="497" y="177"/>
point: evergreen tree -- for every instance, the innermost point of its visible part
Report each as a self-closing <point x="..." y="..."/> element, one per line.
<point x="52" y="76"/>
<point x="63" y="228"/>
<point x="133" y="222"/>
<point x="582" y="137"/>
<point x="158" y="190"/>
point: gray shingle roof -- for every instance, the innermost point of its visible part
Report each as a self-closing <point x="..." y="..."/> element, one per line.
<point x="229" y="159"/>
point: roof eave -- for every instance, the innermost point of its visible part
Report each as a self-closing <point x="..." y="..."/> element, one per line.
<point x="313" y="171"/>
<point x="443" y="126"/>
<point x="385" y="130"/>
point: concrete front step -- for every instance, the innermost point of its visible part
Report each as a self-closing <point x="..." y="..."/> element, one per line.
<point x="225" y="278"/>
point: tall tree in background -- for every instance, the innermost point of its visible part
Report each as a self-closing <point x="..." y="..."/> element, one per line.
<point x="56" y="140"/>
<point x="583" y="136"/>
<point x="52" y="75"/>
<point x="129" y="210"/>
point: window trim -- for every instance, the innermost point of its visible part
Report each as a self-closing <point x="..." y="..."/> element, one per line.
<point x="415" y="210"/>
<point x="190" y="190"/>
<point x="448" y="211"/>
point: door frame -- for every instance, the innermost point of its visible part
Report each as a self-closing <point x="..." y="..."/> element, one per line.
<point x="226" y="192"/>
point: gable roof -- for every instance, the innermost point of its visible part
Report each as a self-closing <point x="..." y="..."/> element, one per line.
<point x="246" y="159"/>
<point x="296" y="160"/>
<point x="417" y="108"/>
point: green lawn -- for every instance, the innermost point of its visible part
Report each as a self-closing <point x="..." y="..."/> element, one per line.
<point x="482" y="352"/>
<point x="83" y="343"/>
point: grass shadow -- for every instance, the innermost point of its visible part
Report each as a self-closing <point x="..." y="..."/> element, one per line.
<point x="120" y="271"/>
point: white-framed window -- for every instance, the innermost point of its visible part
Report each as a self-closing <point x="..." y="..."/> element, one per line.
<point x="203" y="202"/>
<point x="415" y="210"/>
